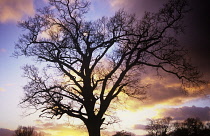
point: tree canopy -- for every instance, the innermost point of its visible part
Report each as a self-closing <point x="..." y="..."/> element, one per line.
<point x="91" y="62"/>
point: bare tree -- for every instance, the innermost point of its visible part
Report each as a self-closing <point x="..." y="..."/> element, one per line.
<point x="98" y="60"/>
<point x="26" y="131"/>
<point x="159" y="127"/>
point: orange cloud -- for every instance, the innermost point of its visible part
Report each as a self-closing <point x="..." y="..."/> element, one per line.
<point x="14" y="10"/>
<point x="49" y="33"/>
<point x="53" y="127"/>
<point x="166" y="91"/>
<point x="60" y="128"/>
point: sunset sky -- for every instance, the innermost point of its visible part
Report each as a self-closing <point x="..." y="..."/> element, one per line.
<point x="165" y="98"/>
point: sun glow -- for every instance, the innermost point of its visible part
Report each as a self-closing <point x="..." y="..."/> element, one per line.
<point x="68" y="133"/>
<point x="129" y="119"/>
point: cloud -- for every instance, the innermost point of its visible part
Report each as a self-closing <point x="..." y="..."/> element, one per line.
<point x="38" y="121"/>
<point x="10" y="84"/>
<point x="46" y="1"/>
<point x="14" y="10"/>
<point x="161" y="91"/>
<point x="5" y="86"/>
<point x="48" y="33"/>
<point x="6" y="132"/>
<point x="60" y="128"/>
<point x="2" y="90"/>
<point x="165" y="91"/>
<point x="196" y="36"/>
<point x="137" y="6"/>
<point x="187" y="112"/>
<point x="2" y="50"/>
<point x="139" y="126"/>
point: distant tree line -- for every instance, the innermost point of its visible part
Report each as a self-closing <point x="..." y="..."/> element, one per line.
<point x="188" y="127"/>
<point x="27" y="131"/>
<point x="123" y="133"/>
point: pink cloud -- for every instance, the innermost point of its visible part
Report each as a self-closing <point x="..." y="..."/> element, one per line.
<point x="137" y="6"/>
<point x="2" y="50"/>
<point x="10" y="84"/>
<point x="6" y="132"/>
<point x="14" y="10"/>
<point x="139" y="126"/>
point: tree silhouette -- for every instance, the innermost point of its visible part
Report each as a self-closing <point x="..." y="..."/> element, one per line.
<point x="159" y="127"/>
<point x="191" y="127"/>
<point x="188" y="127"/>
<point x="123" y="133"/>
<point x="26" y="131"/>
<point x="91" y="62"/>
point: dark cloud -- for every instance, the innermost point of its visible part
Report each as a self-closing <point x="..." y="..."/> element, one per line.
<point x="6" y="132"/>
<point x="196" y="37"/>
<point x="188" y="112"/>
<point x="161" y="93"/>
<point x="138" y="6"/>
<point x="167" y="91"/>
<point x="139" y="126"/>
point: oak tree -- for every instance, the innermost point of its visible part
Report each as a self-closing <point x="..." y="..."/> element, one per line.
<point x="91" y="62"/>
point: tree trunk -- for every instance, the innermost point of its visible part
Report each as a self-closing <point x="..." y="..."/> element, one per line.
<point x="93" y="127"/>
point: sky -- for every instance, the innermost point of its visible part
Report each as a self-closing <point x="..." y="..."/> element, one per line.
<point x="164" y="95"/>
